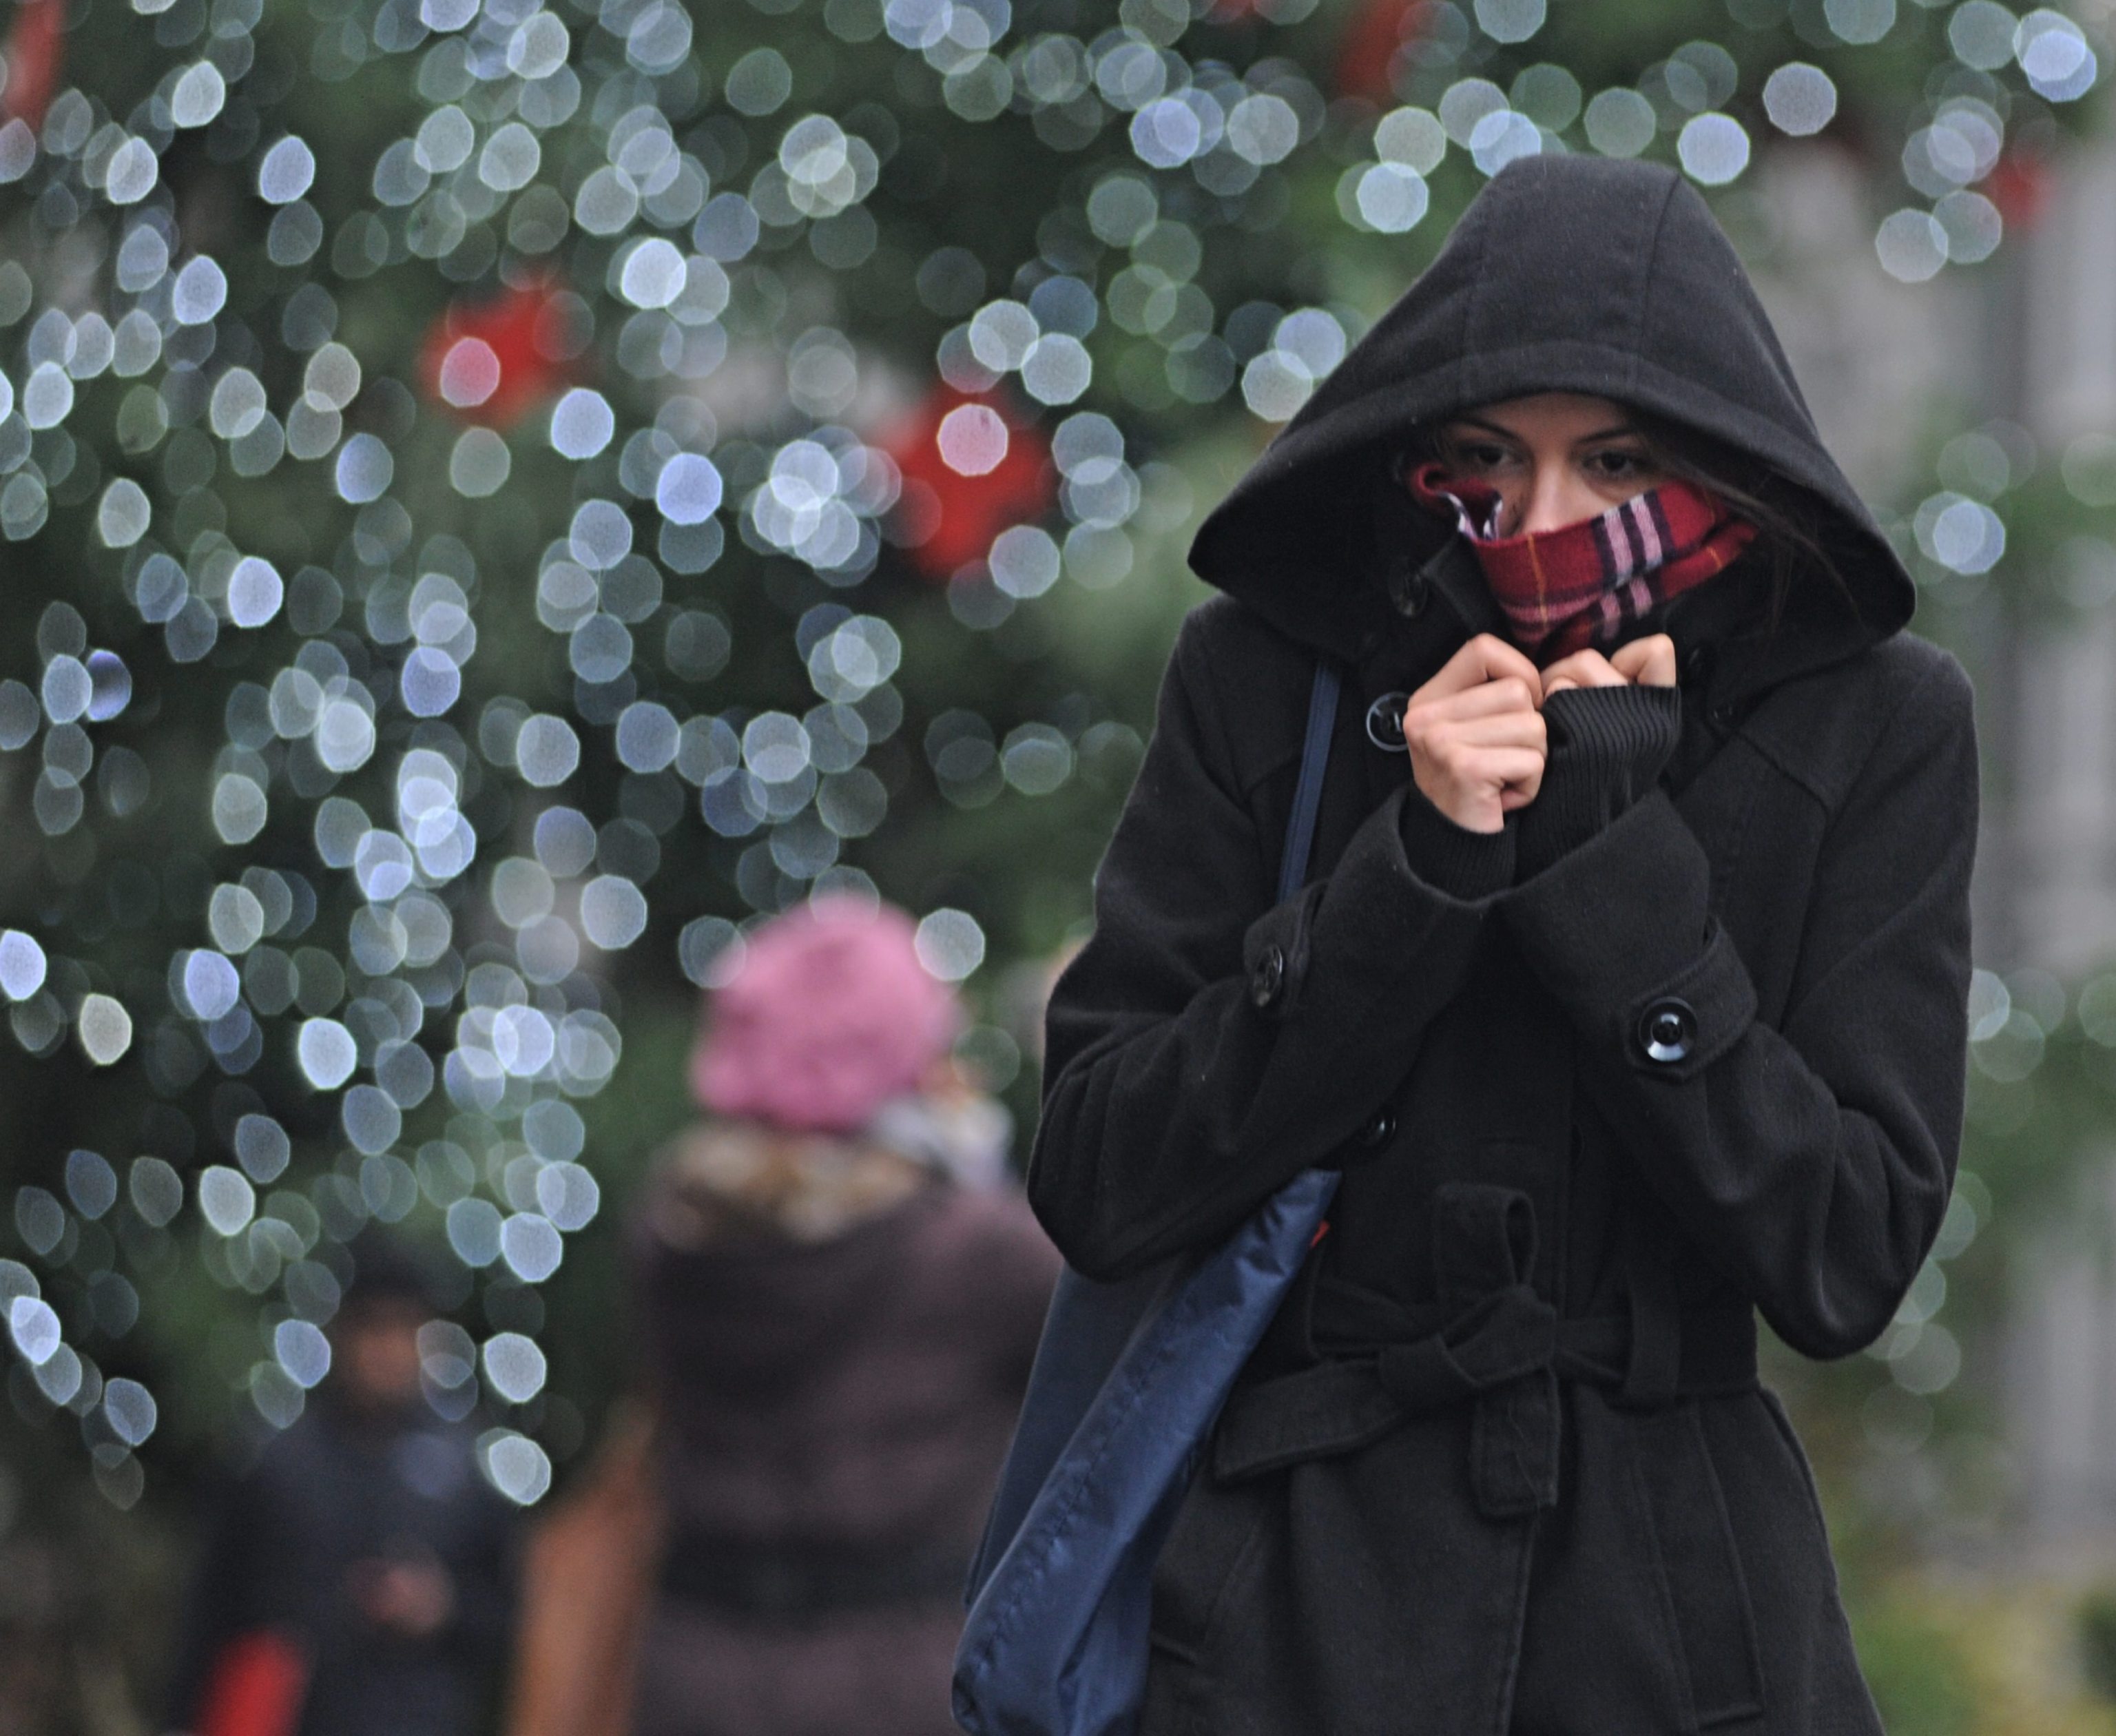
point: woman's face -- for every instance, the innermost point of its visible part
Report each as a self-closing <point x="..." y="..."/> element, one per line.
<point x="1554" y="458"/>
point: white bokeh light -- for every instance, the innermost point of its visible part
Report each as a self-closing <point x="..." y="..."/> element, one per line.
<point x="123" y="514"/>
<point x="22" y="964"/>
<point x="973" y="440"/>
<point x="302" y="1349"/>
<point x="613" y="912"/>
<point x="516" y="1466"/>
<point x="531" y="1246"/>
<point x="227" y="1200"/>
<point x="582" y="423"/>
<point x="546" y="751"/>
<point x="286" y="172"/>
<point x="514" y="1366"/>
<point x="255" y="592"/>
<point x="469" y="373"/>
<point x="1801" y="99"/>
<point x="327" y="1053"/>
<point x="950" y="944"/>
<point x="105" y="1028"/>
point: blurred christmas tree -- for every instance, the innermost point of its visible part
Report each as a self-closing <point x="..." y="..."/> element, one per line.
<point x="494" y="497"/>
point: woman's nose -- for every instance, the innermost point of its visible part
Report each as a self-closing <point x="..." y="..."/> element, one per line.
<point x="1556" y="496"/>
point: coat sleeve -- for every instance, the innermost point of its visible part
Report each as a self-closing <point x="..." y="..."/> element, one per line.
<point x="1811" y="1163"/>
<point x="1207" y="1045"/>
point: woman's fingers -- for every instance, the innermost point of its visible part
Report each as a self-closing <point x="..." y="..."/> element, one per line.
<point x="1509" y="693"/>
<point x="1506" y="730"/>
<point x="1649" y="661"/>
<point x="1475" y="736"/>
<point x="1455" y="763"/>
<point x="1517" y="771"/>
<point x="1475" y="730"/>
<point x="1582" y="669"/>
<point x="1486" y="658"/>
<point x="1478" y="753"/>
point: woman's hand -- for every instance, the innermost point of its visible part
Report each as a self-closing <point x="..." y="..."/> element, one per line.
<point x="1647" y="662"/>
<point x="1476" y="735"/>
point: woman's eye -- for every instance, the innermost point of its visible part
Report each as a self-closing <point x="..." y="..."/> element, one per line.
<point x="1619" y="466"/>
<point x="1478" y="456"/>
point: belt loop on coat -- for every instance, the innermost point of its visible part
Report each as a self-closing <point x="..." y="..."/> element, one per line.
<point x="1483" y="1254"/>
<point x="1654" y="1369"/>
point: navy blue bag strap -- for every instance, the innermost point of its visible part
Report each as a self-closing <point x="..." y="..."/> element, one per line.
<point x="1127" y="1384"/>
<point x="1090" y="1323"/>
<point x="1308" y="793"/>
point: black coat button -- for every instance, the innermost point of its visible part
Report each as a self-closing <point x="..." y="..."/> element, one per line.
<point x="1379" y="1130"/>
<point x="1385" y="723"/>
<point x="1668" y="1031"/>
<point x="1267" y="978"/>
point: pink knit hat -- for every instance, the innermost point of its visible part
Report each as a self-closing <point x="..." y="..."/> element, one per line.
<point x="829" y="1015"/>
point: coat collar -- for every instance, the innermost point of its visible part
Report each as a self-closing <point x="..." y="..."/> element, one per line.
<point x="1732" y="644"/>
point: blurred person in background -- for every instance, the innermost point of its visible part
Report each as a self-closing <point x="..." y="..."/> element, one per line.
<point x="357" y="1579"/>
<point x="843" y="1291"/>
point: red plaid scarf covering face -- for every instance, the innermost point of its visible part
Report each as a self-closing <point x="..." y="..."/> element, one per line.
<point x="1588" y="583"/>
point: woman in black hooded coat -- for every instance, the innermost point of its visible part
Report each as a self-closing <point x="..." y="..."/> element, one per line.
<point x="1680" y="1042"/>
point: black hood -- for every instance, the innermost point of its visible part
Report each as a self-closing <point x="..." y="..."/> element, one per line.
<point x="1566" y="273"/>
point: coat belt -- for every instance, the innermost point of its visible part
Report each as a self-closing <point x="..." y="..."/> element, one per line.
<point x="1499" y="1347"/>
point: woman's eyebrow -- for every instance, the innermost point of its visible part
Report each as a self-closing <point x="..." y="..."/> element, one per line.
<point x="1617" y="432"/>
<point x="1478" y="421"/>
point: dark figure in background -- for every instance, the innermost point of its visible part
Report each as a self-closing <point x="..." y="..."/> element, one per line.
<point x="357" y="1579"/>
<point x="844" y="1292"/>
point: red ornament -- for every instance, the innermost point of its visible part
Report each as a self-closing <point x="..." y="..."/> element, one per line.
<point x="2020" y="186"/>
<point x="971" y="467"/>
<point x="1367" y="53"/>
<point x="492" y="361"/>
<point x="36" y="51"/>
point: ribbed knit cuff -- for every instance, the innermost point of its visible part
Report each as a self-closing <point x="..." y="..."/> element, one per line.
<point x="1465" y="865"/>
<point x="1608" y="747"/>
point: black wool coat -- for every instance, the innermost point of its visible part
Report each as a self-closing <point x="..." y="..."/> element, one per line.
<point x="1682" y="1045"/>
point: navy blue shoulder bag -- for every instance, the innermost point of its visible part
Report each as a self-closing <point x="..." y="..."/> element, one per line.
<point x="1129" y="1380"/>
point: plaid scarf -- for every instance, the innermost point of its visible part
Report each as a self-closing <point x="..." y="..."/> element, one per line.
<point x="1586" y="584"/>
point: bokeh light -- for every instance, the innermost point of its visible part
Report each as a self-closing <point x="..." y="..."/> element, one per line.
<point x="533" y="491"/>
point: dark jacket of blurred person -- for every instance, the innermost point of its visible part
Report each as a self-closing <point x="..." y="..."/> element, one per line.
<point x="844" y="1297"/>
<point x="357" y="1578"/>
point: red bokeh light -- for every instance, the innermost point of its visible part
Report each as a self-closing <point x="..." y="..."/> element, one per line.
<point x="949" y="519"/>
<point x="2020" y="186"/>
<point x="527" y="332"/>
<point x="1367" y="52"/>
<point x="36" y="53"/>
